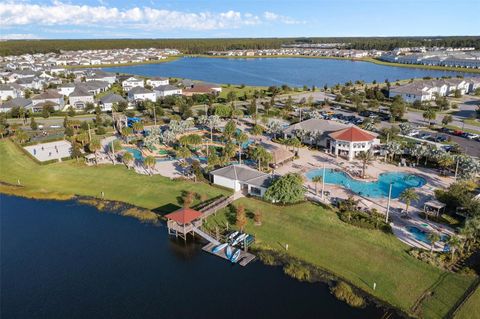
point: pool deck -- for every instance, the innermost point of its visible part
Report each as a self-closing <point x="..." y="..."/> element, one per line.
<point x="313" y="159"/>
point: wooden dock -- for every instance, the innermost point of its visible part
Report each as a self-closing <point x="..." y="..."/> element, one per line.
<point x="244" y="259"/>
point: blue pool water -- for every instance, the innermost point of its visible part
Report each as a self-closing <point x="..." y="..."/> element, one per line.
<point x="422" y="235"/>
<point x="379" y="188"/>
<point x="135" y="152"/>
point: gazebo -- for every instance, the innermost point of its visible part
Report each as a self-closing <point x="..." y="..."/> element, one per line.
<point x="183" y="221"/>
<point x="434" y="208"/>
<point x="351" y="141"/>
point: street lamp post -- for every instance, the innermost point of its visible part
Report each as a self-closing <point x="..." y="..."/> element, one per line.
<point x="388" y="203"/>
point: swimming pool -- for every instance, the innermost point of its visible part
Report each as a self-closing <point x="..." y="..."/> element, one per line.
<point x="135" y="152"/>
<point x="400" y="181"/>
<point x="422" y="235"/>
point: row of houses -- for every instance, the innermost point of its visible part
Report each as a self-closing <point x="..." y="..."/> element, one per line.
<point x="466" y="59"/>
<point x="302" y="51"/>
<point x="428" y="90"/>
<point x="85" y="58"/>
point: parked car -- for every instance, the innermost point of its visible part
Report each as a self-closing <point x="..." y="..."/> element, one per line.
<point x="472" y="136"/>
<point x="413" y="133"/>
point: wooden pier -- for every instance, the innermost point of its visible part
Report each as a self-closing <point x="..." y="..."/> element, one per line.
<point x="244" y="259"/>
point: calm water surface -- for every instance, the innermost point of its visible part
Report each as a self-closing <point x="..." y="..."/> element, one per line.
<point x="65" y="260"/>
<point x="277" y="71"/>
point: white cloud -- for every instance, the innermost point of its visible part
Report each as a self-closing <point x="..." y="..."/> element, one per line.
<point x="17" y="36"/>
<point x="146" y="18"/>
<point x="273" y="17"/>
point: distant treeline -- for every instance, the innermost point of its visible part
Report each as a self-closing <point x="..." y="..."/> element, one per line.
<point x="199" y="46"/>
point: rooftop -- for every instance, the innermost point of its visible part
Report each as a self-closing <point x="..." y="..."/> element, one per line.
<point x="184" y="215"/>
<point x="352" y="134"/>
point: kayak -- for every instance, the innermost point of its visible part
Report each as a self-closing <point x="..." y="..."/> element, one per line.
<point x="239" y="239"/>
<point x="235" y="256"/>
<point x="218" y="248"/>
<point x="232" y="235"/>
<point x="229" y="252"/>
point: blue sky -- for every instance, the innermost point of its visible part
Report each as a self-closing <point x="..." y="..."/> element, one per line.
<point x="240" y="18"/>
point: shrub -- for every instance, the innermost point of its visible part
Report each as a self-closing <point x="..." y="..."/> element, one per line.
<point x="343" y="291"/>
<point x="298" y="271"/>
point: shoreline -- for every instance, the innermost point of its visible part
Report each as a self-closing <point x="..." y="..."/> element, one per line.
<point x="279" y="259"/>
<point x="366" y="59"/>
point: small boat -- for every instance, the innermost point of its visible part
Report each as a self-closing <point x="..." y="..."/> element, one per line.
<point x="232" y="235"/>
<point x="235" y="256"/>
<point x="229" y="252"/>
<point x="218" y="248"/>
<point x="239" y="239"/>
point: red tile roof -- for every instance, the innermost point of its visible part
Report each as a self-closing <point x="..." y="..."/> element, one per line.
<point x="352" y="134"/>
<point x="184" y="215"/>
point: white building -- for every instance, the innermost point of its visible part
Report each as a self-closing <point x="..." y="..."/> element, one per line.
<point x="79" y="98"/>
<point x="131" y="82"/>
<point x="242" y="178"/>
<point x="157" y="81"/>
<point x="351" y="141"/>
<point x="8" y="91"/>
<point x="66" y="89"/>
<point x="166" y="90"/>
<point x="48" y="97"/>
<point x="108" y="101"/>
<point x="141" y="94"/>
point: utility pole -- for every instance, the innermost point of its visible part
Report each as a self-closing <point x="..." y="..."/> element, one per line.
<point x="388" y="136"/>
<point x="388" y="203"/>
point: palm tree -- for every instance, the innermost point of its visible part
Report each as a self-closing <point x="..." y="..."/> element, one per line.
<point x="137" y="127"/>
<point x="317" y="179"/>
<point x="183" y="152"/>
<point x="261" y="155"/>
<point x="366" y="158"/>
<point x="408" y="196"/>
<point x="94" y="146"/>
<point x="454" y="243"/>
<point x="126" y="132"/>
<point x="149" y="163"/>
<point x="115" y="145"/>
<point x="127" y="159"/>
<point x="445" y="161"/>
<point x="241" y="138"/>
<point x="433" y="238"/>
<point x="21" y="136"/>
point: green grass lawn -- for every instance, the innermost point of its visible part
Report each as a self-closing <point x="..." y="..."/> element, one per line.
<point x="470" y="309"/>
<point x="472" y="122"/>
<point x="239" y="91"/>
<point x="67" y="178"/>
<point x="316" y="235"/>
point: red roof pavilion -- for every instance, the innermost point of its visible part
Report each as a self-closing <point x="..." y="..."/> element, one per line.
<point x="352" y="134"/>
<point x="184" y="215"/>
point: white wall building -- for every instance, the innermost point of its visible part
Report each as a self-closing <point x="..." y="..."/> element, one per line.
<point x="166" y="90"/>
<point x="131" y="82"/>
<point x="157" y="81"/>
<point x="141" y="94"/>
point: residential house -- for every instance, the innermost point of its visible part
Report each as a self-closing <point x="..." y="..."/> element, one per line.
<point x="80" y="97"/>
<point x="16" y="102"/>
<point x="9" y="91"/>
<point x="51" y="97"/>
<point x="132" y="82"/>
<point x="157" y="81"/>
<point x="66" y="89"/>
<point x="108" y="101"/>
<point x="166" y="90"/>
<point x="140" y="93"/>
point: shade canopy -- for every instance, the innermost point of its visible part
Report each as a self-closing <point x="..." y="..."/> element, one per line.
<point x="184" y="215"/>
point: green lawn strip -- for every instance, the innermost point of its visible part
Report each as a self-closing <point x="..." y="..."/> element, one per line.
<point x="472" y="122"/>
<point x="360" y="256"/>
<point x="448" y="290"/>
<point x="117" y="182"/>
<point x="470" y="309"/>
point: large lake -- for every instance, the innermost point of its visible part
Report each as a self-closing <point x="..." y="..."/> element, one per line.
<point x="65" y="260"/>
<point x="278" y="71"/>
